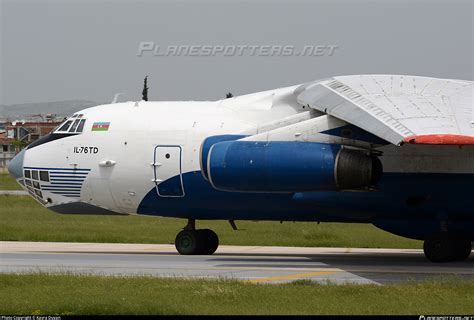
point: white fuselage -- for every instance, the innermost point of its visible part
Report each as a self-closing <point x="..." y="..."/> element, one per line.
<point x="136" y="128"/>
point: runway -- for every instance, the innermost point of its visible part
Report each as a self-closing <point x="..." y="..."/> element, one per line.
<point x="254" y="264"/>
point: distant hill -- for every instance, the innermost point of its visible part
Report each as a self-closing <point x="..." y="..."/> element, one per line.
<point x="60" y="108"/>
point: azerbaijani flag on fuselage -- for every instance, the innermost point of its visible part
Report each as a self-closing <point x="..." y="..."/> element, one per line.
<point x="100" y="126"/>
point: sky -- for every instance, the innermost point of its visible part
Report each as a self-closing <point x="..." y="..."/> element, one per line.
<point x="80" y="49"/>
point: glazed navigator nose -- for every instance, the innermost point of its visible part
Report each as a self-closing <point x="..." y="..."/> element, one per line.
<point x="16" y="165"/>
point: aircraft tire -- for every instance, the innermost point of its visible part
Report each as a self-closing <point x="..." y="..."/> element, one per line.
<point x="188" y="242"/>
<point x="463" y="249"/>
<point x="210" y="241"/>
<point x="440" y="248"/>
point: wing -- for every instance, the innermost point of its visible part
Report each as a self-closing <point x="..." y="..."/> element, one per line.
<point x="397" y="108"/>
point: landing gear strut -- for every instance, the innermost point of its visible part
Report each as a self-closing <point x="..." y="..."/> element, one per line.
<point x="196" y="242"/>
<point x="446" y="247"/>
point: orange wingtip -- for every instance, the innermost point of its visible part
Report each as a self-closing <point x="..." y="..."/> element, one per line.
<point x="448" y="139"/>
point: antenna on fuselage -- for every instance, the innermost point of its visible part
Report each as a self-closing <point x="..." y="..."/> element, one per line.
<point x="145" y="89"/>
<point x="117" y="95"/>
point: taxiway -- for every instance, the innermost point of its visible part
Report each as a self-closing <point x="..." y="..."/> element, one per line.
<point x="250" y="263"/>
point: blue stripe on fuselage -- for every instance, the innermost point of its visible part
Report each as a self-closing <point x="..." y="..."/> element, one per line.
<point x="400" y="195"/>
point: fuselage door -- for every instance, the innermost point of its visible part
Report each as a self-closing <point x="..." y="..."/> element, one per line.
<point x="167" y="170"/>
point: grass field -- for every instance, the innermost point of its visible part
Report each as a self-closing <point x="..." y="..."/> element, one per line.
<point x="8" y="183"/>
<point x="23" y="219"/>
<point x="68" y="294"/>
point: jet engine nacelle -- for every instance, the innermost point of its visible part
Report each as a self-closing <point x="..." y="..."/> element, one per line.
<point x="277" y="166"/>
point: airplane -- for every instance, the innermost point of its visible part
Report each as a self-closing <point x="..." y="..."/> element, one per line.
<point x="396" y="151"/>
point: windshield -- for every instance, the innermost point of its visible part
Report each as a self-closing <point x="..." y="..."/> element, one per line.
<point x="74" y="124"/>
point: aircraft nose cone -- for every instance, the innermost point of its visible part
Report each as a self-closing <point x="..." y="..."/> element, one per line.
<point x="15" y="167"/>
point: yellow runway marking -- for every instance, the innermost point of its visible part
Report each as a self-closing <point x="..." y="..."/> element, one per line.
<point x="293" y="276"/>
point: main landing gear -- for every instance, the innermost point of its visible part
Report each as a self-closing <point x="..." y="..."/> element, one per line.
<point x="193" y="242"/>
<point x="446" y="247"/>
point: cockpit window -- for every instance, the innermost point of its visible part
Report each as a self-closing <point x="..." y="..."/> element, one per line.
<point x="65" y="126"/>
<point x="75" y="124"/>
<point x="81" y="125"/>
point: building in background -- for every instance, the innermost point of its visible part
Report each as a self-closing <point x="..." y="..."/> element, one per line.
<point x="15" y="135"/>
<point x="7" y="152"/>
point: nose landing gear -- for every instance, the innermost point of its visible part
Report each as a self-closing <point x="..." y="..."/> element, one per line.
<point x="196" y="242"/>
